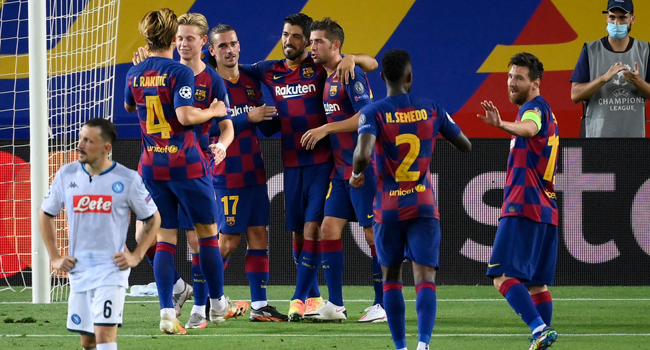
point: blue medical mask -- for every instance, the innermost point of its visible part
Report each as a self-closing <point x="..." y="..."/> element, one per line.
<point x="617" y="31"/>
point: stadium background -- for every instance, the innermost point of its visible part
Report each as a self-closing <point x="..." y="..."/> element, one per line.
<point x="460" y="58"/>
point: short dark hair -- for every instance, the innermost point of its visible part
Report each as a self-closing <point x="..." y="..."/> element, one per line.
<point x="301" y="20"/>
<point x="525" y="59"/>
<point x="333" y="31"/>
<point x="221" y="28"/>
<point x="108" y="131"/>
<point x="394" y="64"/>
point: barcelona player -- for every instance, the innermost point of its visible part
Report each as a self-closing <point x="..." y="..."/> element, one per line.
<point x="526" y="243"/>
<point x="172" y="164"/>
<point x="297" y="85"/>
<point x="342" y="103"/>
<point x="240" y="180"/>
<point x="403" y="130"/>
<point x="190" y="38"/>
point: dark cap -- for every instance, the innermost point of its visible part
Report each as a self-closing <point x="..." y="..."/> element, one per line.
<point x="625" y="5"/>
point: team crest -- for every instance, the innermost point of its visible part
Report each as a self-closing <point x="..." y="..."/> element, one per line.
<point x="230" y="220"/>
<point x="200" y="94"/>
<point x="308" y="72"/>
<point x="334" y="89"/>
<point x="251" y="94"/>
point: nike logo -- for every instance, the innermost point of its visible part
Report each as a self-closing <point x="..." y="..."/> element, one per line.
<point x="340" y="310"/>
<point x="370" y="216"/>
<point x="275" y="77"/>
<point x="493" y="265"/>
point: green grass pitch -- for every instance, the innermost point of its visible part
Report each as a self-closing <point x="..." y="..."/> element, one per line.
<point x="468" y="318"/>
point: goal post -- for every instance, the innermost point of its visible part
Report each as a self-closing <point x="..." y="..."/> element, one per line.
<point x="57" y="70"/>
<point x="38" y="150"/>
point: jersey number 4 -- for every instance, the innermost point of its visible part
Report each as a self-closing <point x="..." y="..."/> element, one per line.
<point x="402" y="174"/>
<point x="155" y="111"/>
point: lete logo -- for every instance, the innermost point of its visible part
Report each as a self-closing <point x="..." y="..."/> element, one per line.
<point x="93" y="204"/>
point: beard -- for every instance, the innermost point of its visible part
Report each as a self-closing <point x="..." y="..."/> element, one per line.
<point x="293" y="56"/>
<point x="520" y="98"/>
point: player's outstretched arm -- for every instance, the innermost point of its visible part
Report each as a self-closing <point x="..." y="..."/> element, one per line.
<point x="524" y="128"/>
<point x="190" y="115"/>
<point x="361" y="158"/>
<point x="312" y="136"/>
<point x="127" y="259"/>
<point x="345" y="69"/>
<point x="461" y="142"/>
<point x="46" y="224"/>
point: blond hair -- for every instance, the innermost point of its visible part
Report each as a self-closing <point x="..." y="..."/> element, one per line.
<point x="195" y="19"/>
<point x="159" y="29"/>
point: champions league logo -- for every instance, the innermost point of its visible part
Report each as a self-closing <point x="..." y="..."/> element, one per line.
<point x="619" y="79"/>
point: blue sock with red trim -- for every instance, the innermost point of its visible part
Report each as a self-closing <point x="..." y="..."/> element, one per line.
<point x="257" y="271"/>
<point x="544" y="305"/>
<point x="519" y="299"/>
<point x="395" y="311"/>
<point x="211" y="265"/>
<point x="333" y="263"/>
<point x="425" y="306"/>
<point x="198" y="282"/>
<point x="307" y="270"/>
<point x="377" y="278"/>
<point x="162" y="264"/>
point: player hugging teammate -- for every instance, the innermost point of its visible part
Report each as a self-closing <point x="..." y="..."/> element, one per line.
<point x="202" y="166"/>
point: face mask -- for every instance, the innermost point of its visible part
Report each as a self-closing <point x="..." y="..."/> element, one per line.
<point x="617" y="31"/>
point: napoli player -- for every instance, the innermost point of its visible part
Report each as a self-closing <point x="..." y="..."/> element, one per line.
<point x="406" y="214"/>
<point x="172" y="164"/>
<point x="99" y="195"/>
<point x="240" y="180"/>
<point x="297" y="85"/>
<point x="342" y="103"/>
<point x="525" y="246"/>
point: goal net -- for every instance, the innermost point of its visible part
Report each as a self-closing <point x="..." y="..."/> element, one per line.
<point x="81" y="42"/>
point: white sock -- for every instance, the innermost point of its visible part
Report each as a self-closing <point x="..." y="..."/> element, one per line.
<point x="107" y="346"/>
<point x="259" y="304"/>
<point x="199" y="309"/>
<point x="168" y="311"/>
<point x="423" y="346"/>
<point x="179" y="286"/>
<point x="218" y="305"/>
<point x="539" y="329"/>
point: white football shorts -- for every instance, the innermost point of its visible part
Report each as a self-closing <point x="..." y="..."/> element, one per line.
<point x="101" y="306"/>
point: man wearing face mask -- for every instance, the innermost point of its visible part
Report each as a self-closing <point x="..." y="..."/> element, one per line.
<point x="611" y="78"/>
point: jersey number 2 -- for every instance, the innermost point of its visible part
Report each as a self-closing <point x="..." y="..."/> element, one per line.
<point x="155" y="110"/>
<point x="402" y="174"/>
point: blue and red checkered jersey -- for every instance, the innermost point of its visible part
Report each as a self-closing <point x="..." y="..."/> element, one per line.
<point x="208" y="85"/>
<point x="406" y="130"/>
<point x="532" y="164"/>
<point x="170" y="150"/>
<point x="243" y="166"/>
<point x="343" y="101"/>
<point x="298" y="95"/>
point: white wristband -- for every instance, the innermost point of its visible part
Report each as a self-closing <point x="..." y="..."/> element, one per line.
<point x="221" y="146"/>
<point x="356" y="176"/>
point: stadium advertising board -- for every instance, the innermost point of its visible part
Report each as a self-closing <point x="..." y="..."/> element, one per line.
<point x="603" y="189"/>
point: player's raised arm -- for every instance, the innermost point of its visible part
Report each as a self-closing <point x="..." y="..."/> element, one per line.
<point x="345" y="69"/>
<point x="524" y="128"/>
<point x="190" y="115"/>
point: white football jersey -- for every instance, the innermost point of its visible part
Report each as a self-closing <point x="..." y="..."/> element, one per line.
<point x="98" y="212"/>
